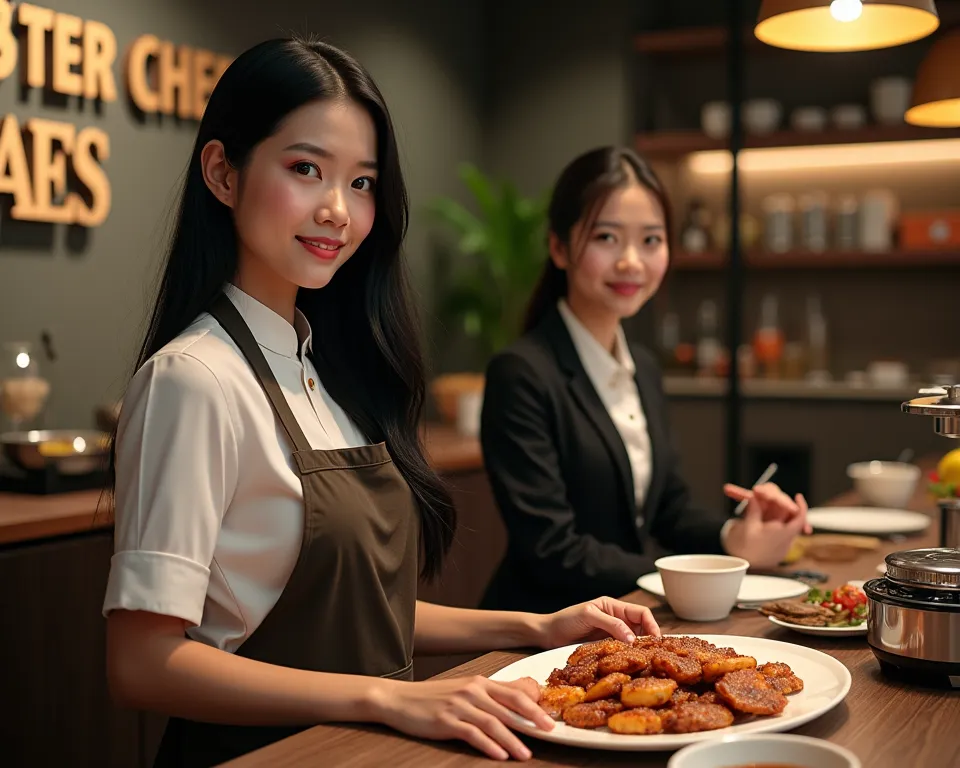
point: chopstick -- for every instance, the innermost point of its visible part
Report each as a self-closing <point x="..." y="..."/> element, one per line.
<point x="765" y="477"/>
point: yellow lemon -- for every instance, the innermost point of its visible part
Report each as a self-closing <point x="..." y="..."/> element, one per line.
<point x="949" y="468"/>
<point x="795" y="552"/>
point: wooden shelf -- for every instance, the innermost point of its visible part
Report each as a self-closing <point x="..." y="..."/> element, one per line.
<point x="685" y="40"/>
<point x="715" y="260"/>
<point x="678" y="143"/>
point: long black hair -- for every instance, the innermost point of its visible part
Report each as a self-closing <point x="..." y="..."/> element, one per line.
<point x="580" y="192"/>
<point x="367" y="350"/>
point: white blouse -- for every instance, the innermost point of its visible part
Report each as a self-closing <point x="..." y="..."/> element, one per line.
<point x="612" y="376"/>
<point x="209" y="509"/>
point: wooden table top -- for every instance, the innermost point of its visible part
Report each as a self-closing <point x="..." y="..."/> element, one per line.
<point x="27" y="517"/>
<point x="886" y="724"/>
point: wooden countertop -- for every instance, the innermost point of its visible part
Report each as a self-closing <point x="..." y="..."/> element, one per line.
<point x="28" y="517"/>
<point x="886" y="724"/>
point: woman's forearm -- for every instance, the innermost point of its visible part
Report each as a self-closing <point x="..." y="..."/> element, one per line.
<point x="168" y="673"/>
<point x="442" y="629"/>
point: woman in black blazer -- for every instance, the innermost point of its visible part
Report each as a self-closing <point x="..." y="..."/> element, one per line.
<point x="574" y="428"/>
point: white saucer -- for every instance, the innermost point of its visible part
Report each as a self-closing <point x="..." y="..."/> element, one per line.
<point x="753" y="590"/>
<point x="869" y="521"/>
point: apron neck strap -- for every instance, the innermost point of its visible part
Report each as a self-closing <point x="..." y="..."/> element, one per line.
<point x="233" y="323"/>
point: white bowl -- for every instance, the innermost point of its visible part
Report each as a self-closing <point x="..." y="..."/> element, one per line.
<point x="701" y="587"/>
<point x="885" y="483"/>
<point x="769" y="749"/>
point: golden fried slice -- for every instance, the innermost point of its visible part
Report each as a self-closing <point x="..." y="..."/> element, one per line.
<point x="781" y="677"/>
<point x="648" y="641"/>
<point x="710" y="697"/>
<point x="746" y="690"/>
<point x="636" y="721"/>
<point x="694" y="716"/>
<point x="556" y="698"/>
<point x="683" y="669"/>
<point x="716" y="668"/>
<point x="599" y="648"/>
<point x="774" y="669"/>
<point x="631" y="661"/>
<point x="681" y="695"/>
<point x="584" y="675"/>
<point x="647" y="692"/>
<point x="787" y="684"/>
<point x="592" y="714"/>
<point x="607" y="687"/>
<point x="688" y="646"/>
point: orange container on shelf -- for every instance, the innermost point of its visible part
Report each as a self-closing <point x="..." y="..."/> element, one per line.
<point x="930" y="230"/>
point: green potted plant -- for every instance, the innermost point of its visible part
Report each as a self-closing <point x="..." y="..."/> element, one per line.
<point x="484" y="290"/>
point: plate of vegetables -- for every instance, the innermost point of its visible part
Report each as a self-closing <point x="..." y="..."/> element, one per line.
<point x="840" y="612"/>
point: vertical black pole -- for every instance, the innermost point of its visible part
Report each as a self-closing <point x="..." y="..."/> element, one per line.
<point x="735" y="277"/>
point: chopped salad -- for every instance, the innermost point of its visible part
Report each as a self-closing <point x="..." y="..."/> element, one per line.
<point x="849" y="604"/>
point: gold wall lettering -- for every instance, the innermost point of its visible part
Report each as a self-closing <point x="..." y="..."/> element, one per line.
<point x="160" y="77"/>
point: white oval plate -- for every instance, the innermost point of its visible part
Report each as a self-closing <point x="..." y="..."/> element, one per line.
<point x="871" y="521"/>
<point x="753" y="589"/>
<point x="821" y="631"/>
<point x="825" y="684"/>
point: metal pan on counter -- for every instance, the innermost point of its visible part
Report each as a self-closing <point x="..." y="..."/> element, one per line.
<point x="69" y="451"/>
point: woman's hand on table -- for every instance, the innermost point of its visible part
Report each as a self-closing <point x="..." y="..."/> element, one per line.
<point x="473" y="709"/>
<point x="768" y="526"/>
<point x="598" y="618"/>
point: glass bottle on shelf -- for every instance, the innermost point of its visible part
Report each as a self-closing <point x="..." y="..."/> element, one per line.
<point x="768" y="341"/>
<point x="23" y="391"/>
<point x="668" y="339"/>
<point x="818" y="368"/>
<point x="709" y="348"/>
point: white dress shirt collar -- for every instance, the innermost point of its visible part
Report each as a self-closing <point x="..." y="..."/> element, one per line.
<point x="596" y="359"/>
<point x="269" y="329"/>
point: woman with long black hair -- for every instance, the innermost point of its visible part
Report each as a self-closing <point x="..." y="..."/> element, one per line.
<point x="273" y="506"/>
<point x="575" y="435"/>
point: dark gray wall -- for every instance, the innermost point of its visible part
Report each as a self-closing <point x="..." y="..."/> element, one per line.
<point x="427" y="56"/>
<point x="560" y="84"/>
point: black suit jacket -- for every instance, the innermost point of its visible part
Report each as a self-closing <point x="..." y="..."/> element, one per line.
<point x="562" y="480"/>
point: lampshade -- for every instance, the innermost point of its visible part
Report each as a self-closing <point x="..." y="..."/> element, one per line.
<point x="814" y="25"/>
<point x="936" y="89"/>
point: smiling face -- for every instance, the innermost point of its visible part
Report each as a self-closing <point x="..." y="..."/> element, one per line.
<point x="619" y="261"/>
<point x="304" y="201"/>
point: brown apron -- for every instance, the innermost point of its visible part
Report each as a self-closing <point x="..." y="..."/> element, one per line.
<point x="350" y="603"/>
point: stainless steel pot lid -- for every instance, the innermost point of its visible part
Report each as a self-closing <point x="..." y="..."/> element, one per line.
<point x="937" y="568"/>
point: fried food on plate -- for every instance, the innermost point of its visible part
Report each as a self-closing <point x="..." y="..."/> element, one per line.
<point x="630" y="661"/>
<point x="638" y="721"/>
<point x="664" y="685"/>
<point x="747" y="690"/>
<point x="593" y="714"/>
<point x="694" y="716"/>
<point x="556" y="698"/>
<point x="683" y="669"/>
<point x="681" y="695"/>
<point x="781" y="677"/>
<point x="647" y="692"/>
<point x="599" y="648"/>
<point x="716" y="668"/>
<point x="607" y="687"/>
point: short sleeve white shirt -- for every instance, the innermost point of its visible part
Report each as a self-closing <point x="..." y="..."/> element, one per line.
<point x="209" y="509"/>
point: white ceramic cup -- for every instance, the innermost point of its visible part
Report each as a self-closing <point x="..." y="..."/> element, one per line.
<point x="701" y="587"/>
<point x="772" y="749"/>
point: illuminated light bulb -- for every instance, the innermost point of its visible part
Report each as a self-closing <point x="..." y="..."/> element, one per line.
<point x="23" y="360"/>
<point x="846" y="10"/>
